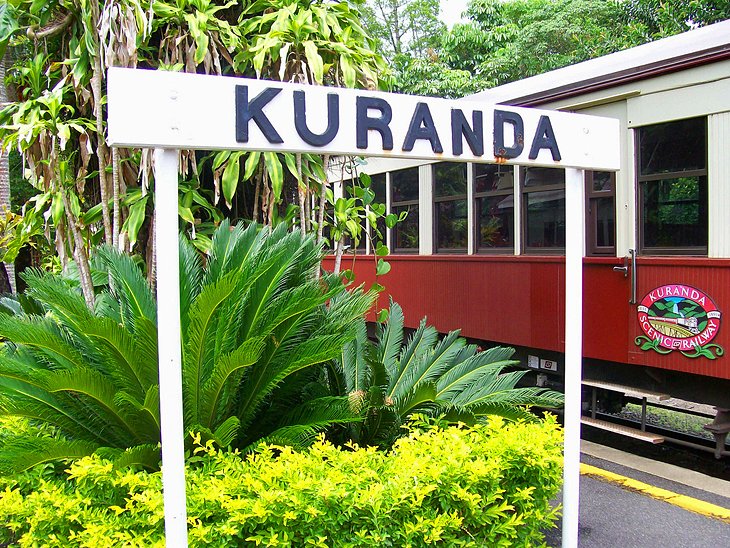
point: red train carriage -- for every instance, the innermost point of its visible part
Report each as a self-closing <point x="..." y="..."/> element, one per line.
<point x="482" y="248"/>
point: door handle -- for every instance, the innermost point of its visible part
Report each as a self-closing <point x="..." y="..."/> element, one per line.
<point x="624" y="268"/>
<point x="634" y="276"/>
<point x="629" y="267"/>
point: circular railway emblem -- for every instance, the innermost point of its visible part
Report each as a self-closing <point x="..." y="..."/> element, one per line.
<point x="679" y="317"/>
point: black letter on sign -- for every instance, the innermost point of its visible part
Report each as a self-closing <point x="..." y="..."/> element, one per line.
<point x="474" y="137"/>
<point x="364" y="123"/>
<point x="422" y="127"/>
<point x="502" y="117"/>
<point x="245" y="112"/>
<point x="544" y="138"/>
<point x="333" y="120"/>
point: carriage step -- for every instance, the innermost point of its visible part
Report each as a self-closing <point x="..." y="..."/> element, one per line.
<point x="623" y="430"/>
<point x="626" y="390"/>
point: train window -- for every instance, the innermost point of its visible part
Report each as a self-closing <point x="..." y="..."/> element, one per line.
<point x="672" y="186"/>
<point x="543" y="199"/>
<point x="600" y="202"/>
<point x="450" y="208"/>
<point x="494" y="207"/>
<point x="404" y="197"/>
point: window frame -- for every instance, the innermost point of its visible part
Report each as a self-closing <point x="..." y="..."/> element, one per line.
<point x="396" y="206"/>
<point x="524" y="193"/>
<point x="592" y="195"/>
<point x="656" y="177"/>
<point x="507" y="250"/>
<point x="444" y="199"/>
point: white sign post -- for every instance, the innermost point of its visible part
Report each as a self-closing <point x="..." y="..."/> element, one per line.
<point x="170" y="111"/>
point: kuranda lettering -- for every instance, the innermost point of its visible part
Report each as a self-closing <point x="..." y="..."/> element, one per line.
<point x="374" y="115"/>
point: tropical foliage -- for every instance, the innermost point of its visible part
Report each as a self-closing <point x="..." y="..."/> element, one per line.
<point x="392" y="378"/>
<point x="502" y="40"/>
<point x="87" y="193"/>
<point x="490" y="485"/>
<point x="256" y="322"/>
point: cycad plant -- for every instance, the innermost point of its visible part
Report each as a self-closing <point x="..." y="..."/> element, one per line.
<point x="257" y="321"/>
<point x="392" y="378"/>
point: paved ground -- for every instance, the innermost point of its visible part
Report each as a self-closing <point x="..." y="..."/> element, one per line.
<point x="629" y="501"/>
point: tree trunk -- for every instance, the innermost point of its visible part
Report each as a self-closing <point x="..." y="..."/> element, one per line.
<point x="102" y="152"/>
<point x="302" y="197"/>
<point x="5" y="167"/>
<point x="82" y="259"/>
<point x="116" y="220"/>
<point x="152" y="255"/>
<point x="323" y="199"/>
<point x="339" y="251"/>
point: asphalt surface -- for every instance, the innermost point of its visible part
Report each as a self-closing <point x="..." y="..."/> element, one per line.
<point x="615" y="513"/>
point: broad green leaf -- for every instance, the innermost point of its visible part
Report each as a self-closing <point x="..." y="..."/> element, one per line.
<point x="73" y="201"/>
<point x="220" y="158"/>
<point x="314" y="59"/>
<point x="186" y="214"/>
<point x="291" y="164"/>
<point x="252" y="162"/>
<point x="276" y="173"/>
<point x="376" y="288"/>
<point x="57" y="208"/>
<point x="202" y="48"/>
<point x="348" y="71"/>
<point x="383" y="268"/>
<point x="367" y="196"/>
<point x="391" y="220"/>
<point x="382" y="250"/>
<point x="135" y="219"/>
<point x="230" y="177"/>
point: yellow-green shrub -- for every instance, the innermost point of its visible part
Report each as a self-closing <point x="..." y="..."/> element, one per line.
<point x="488" y="485"/>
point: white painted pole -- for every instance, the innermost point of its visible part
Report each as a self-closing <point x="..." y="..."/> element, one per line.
<point x="169" y="345"/>
<point x="574" y="206"/>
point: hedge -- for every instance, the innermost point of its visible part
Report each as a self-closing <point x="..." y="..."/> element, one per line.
<point x="486" y="485"/>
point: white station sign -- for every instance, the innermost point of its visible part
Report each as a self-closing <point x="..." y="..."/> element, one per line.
<point x="170" y="111"/>
<point x="191" y="111"/>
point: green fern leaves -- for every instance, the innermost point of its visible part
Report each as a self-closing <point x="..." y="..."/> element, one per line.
<point x="394" y="377"/>
<point x="258" y="327"/>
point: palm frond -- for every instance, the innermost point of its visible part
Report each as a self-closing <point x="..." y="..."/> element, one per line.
<point x="500" y="387"/>
<point x="508" y="411"/>
<point x="145" y="416"/>
<point x="66" y="303"/>
<point x="417" y="397"/>
<point x="146" y="456"/>
<point x="100" y="393"/>
<point x="44" y="338"/>
<point x="310" y="419"/>
<point x="389" y="340"/>
<point x="227" y="372"/>
<point x="198" y="355"/>
<point x="129" y="286"/>
<point x="265" y="377"/>
<point x="191" y="276"/>
<point x="413" y="354"/>
<point x="431" y="365"/>
<point x="25" y="395"/>
<point x="21" y="453"/>
<point x="352" y="360"/>
<point x="227" y="432"/>
<point x="122" y="361"/>
<point x="479" y="369"/>
<point x="231" y="247"/>
<point x="532" y="396"/>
